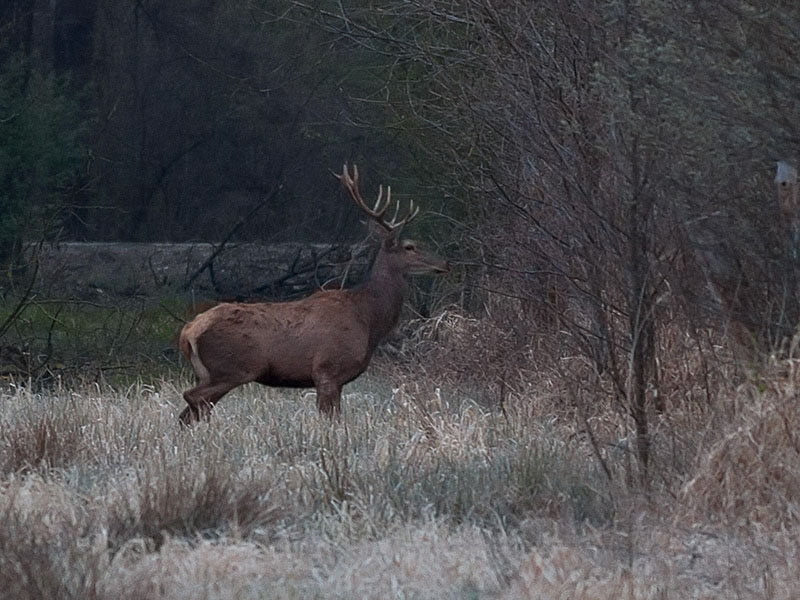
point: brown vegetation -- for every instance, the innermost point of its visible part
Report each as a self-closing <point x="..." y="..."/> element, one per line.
<point x="425" y="492"/>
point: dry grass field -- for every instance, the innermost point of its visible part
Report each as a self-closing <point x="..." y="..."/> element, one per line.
<point x="416" y="493"/>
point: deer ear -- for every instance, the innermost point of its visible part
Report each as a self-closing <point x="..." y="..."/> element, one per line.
<point x="390" y="239"/>
<point x="387" y="238"/>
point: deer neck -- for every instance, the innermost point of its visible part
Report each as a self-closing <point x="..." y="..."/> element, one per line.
<point x="383" y="295"/>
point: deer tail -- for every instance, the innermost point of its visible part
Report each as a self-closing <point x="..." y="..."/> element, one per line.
<point x="188" y="344"/>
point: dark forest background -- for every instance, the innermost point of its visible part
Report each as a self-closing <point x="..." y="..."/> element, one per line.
<point x="601" y="174"/>
<point x="174" y="121"/>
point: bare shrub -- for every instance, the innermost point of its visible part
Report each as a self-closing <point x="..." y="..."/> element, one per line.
<point x="507" y="363"/>
<point x="612" y="172"/>
<point x="494" y="353"/>
<point x="752" y="474"/>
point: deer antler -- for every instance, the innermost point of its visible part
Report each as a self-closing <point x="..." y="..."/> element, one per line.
<point x="377" y="213"/>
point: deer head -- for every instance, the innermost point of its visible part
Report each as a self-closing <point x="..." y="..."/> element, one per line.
<point x="404" y="255"/>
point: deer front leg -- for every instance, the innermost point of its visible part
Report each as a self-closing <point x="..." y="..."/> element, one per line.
<point x="329" y="397"/>
<point x="188" y="416"/>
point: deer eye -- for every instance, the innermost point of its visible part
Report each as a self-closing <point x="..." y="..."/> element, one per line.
<point x="410" y="246"/>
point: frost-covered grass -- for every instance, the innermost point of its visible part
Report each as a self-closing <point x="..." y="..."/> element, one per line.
<point x="412" y="494"/>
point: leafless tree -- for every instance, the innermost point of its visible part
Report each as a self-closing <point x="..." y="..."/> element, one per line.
<point x="608" y="148"/>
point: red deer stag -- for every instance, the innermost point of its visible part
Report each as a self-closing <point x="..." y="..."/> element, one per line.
<point x="324" y="341"/>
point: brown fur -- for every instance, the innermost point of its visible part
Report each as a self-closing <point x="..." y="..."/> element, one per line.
<point x="324" y="341"/>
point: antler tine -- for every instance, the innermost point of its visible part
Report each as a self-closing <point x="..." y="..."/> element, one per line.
<point x="396" y="212"/>
<point x="412" y="213"/>
<point x="377" y="213"/>
<point x="351" y="184"/>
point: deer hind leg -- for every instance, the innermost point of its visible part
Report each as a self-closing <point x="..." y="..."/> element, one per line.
<point x="201" y="399"/>
<point x="329" y="396"/>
